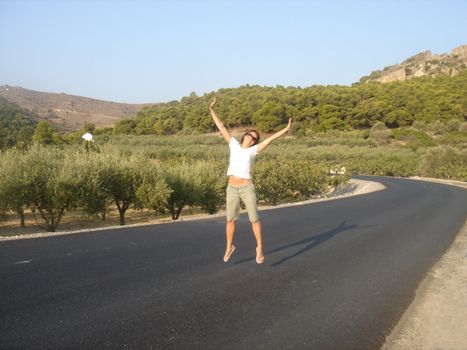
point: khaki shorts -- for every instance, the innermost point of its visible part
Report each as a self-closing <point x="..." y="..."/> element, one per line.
<point x="247" y="195"/>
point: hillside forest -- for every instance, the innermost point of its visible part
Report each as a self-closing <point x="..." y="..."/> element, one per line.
<point x="423" y="100"/>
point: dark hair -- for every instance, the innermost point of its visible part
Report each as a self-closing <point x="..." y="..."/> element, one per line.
<point x="247" y="132"/>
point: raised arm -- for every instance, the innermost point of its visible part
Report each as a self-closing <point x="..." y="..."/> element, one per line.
<point x="271" y="138"/>
<point x="218" y="122"/>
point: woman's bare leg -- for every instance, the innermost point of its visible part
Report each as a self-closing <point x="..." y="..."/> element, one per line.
<point x="256" y="226"/>
<point x="229" y="232"/>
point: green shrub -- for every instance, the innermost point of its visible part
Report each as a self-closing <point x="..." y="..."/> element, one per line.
<point x="444" y="162"/>
<point x="170" y="173"/>
<point x="401" y="163"/>
<point x="380" y="133"/>
<point x="419" y="125"/>
<point x="414" y="138"/>
<point x="50" y="184"/>
<point x="194" y="183"/>
<point x="280" y="180"/>
<point x="454" y="138"/>
<point x="90" y="169"/>
<point x="453" y="125"/>
<point x="437" y="127"/>
<point x="14" y="184"/>
<point x="133" y="181"/>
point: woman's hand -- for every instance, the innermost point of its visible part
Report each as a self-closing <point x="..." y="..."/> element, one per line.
<point x="218" y="122"/>
<point x="278" y="134"/>
<point x="212" y="104"/>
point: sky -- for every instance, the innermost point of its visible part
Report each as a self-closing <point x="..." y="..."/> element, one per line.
<point x="144" y="51"/>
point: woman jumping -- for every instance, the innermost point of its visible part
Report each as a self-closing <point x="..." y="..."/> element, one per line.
<point x="240" y="186"/>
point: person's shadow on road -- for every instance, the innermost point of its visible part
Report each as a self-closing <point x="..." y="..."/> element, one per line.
<point x="310" y="242"/>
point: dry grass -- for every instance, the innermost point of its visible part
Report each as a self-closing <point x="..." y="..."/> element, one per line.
<point x="74" y="221"/>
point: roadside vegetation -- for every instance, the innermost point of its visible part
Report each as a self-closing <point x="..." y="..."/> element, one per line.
<point x="49" y="182"/>
<point x="166" y="161"/>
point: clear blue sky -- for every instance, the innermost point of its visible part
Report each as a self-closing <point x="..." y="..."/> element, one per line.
<point x="157" y="51"/>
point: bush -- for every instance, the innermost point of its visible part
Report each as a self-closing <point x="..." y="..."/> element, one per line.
<point x="14" y="184"/>
<point x="50" y="184"/>
<point x="90" y="168"/>
<point x="51" y="181"/>
<point x="414" y="138"/>
<point x="454" y="138"/>
<point x="108" y="176"/>
<point x="133" y="181"/>
<point x="419" y="125"/>
<point x="194" y="183"/>
<point x="380" y="133"/>
<point x="397" y="163"/>
<point x="279" y="180"/>
<point x="437" y="127"/>
<point x="444" y="162"/>
<point x="41" y="179"/>
<point x="211" y="185"/>
<point x="453" y="125"/>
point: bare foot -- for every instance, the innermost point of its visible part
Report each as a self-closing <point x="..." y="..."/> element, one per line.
<point x="259" y="256"/>
<point x="228" y="253"/>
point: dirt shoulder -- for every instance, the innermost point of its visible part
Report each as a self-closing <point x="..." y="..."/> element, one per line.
<point x="436" y="319"/>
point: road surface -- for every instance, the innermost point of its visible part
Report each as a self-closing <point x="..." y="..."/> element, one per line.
<point x="337" y="275"/>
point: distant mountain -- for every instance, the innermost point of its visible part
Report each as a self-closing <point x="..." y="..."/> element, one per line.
<point x="423" y="64"/>
<point x="69" y="112"/>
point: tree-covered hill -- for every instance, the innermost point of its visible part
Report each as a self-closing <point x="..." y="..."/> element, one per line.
<point x="16" y="124"/>
<point x="319" y="108"/>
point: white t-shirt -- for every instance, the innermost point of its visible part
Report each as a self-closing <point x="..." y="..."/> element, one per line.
<point x="241" y="159"/>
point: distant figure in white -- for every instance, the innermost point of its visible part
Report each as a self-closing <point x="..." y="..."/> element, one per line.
<point x="87" y="136"/>
<point x="240" y="185"/>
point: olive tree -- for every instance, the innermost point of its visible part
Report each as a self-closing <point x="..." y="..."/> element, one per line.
<point x="210" y="185"/>
<point x="194" y="183"/>
<point x="132" y="180"/>
<point x="181" y="180"/>
<point x="14" y="185"/>
<point x="279" y="180"/>
<point x="89" y="167"/>
<point x="50" y="184"/>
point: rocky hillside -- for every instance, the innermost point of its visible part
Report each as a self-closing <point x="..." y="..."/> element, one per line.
<point x="423" y="64"/>
<point x="69" y="112"/>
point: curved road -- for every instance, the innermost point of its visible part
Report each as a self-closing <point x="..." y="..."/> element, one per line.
<point x="338" y="275"/>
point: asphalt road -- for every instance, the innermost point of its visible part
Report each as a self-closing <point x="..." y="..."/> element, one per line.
<point x="337" y="275"/>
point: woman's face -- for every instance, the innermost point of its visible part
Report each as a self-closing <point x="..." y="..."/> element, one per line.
<point x="252" y="136"/>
